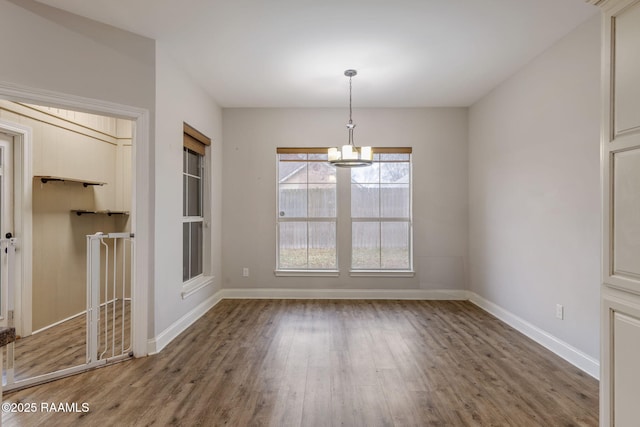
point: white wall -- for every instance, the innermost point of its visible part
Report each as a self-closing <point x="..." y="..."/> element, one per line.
<point x="439" y="140"/>
<point x="178" y="101"/>
<point x="43" y="47"/>
<point x="534" y="191"/>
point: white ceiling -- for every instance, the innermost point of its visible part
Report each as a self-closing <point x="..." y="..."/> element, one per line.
<point x="292" y="53"/>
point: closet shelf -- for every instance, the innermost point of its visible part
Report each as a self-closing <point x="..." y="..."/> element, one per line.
<point x="81" y="212"/>
<point x="84" y="182"/>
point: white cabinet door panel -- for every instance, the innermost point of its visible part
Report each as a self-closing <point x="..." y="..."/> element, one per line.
<point x="626" y="214"/>
<point x="626" y="355"/>
<point x="627" y="70"/>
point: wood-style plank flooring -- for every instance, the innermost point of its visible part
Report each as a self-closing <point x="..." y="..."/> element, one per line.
<point x="330" y="363"/>
<point x="64" y="345"/>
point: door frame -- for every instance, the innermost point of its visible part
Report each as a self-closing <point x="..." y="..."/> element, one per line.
<point x="22" y="224"/>
<point x="142" y="185"/>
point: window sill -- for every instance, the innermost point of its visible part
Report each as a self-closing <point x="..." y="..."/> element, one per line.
<point x="307" y="273"/>
<point x="382" y="273"/>
<point x="195" y="284"/>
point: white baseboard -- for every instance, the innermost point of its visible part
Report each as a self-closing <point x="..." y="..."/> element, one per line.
<point x="390" y="294"/>
<point x="569" y="353"/>
<point x="82" y="313"/>
<point x="156" y="344"/>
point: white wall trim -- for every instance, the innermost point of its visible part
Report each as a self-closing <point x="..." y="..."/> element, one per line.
<point x="569" y="353"/>
<point x="194" y="285"/>
<point x="23" y="224"/>
<point x="155" y="345"/>
<point x="19" y="93"/>
<point x="382" y="294"/>
<point x="82" y="313"/>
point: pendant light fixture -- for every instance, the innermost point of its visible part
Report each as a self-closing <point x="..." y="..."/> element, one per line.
<point x="349" y="155"/>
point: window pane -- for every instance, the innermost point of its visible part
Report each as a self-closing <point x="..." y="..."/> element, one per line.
<point x="320" y="173"/>
<point x="196" y="249"/>
<point x="365" y="245"/>
<point x="370" y="174"/>
<point x="184" y="160"/>
<point x="365" y="201"/>
<point x="293" y="156"/>
<point x="395" y="245"/>
<point x="293" y="201"/>
<point x="395" y="173"/>
<point x="322" y="200"/>
<point x="306" y="190"/>
<point x="184" y="195"/>
<point x="292" y="172"/>
<point x="194" y="205"/>
<point x="395" y="200"/>
<point x="193" y="163"/>
<point x="405" y="157"/>
<point x="293" y="245"/>
<point x="322" y="245"/>
<point x="185" y="251"/>
<point x="319" y="156"/>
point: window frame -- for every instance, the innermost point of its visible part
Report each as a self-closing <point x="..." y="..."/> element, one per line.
<point x="343" y="237"/>
<point x="198" y="144"/>
<point x="284" y="271"/>
<point x="380" y="220"/>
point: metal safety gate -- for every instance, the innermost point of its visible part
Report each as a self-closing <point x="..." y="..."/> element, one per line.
<point x="109" y="262"/>
<point x="108" y="307"/>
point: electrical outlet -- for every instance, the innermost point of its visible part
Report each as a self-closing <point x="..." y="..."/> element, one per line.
<point x="559" y="311"/>
<point x="245" y="272"/>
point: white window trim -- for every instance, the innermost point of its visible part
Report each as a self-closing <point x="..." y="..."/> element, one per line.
<point x="382" y="273"/>
<point x="203" y="280"/>
<point x="293" y="272"/>
<point x="192" y="286"/>
<point x="197" y="218"/>
<point x="306" y="273"/>
<point x="399" y="273"/>
<point x="409" y="272"/>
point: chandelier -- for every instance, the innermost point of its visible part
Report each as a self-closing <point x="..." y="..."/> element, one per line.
<point x="349" y="155"/>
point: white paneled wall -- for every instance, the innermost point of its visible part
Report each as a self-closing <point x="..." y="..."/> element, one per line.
<point x="106" y="125"/>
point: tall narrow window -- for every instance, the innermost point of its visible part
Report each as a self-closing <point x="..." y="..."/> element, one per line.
<point x="193" y="206"/>
<point x="306" y="210"/>
<point x="381" y="212"/>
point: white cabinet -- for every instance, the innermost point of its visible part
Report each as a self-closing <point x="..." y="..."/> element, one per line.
<point x="620" y="142"/>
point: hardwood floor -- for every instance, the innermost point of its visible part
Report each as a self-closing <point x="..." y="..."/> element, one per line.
<point x="323" y="363"/>
<point x="64" y="345"/>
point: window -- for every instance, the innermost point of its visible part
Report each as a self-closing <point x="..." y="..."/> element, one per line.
<point x="306" y="210"/>
<point x="379" y="213"/>
<point x="193" y="203"/>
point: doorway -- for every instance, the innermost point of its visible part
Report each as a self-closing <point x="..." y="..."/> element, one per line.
<point x="142" y="185"/>
<point x="53" y="310"/>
